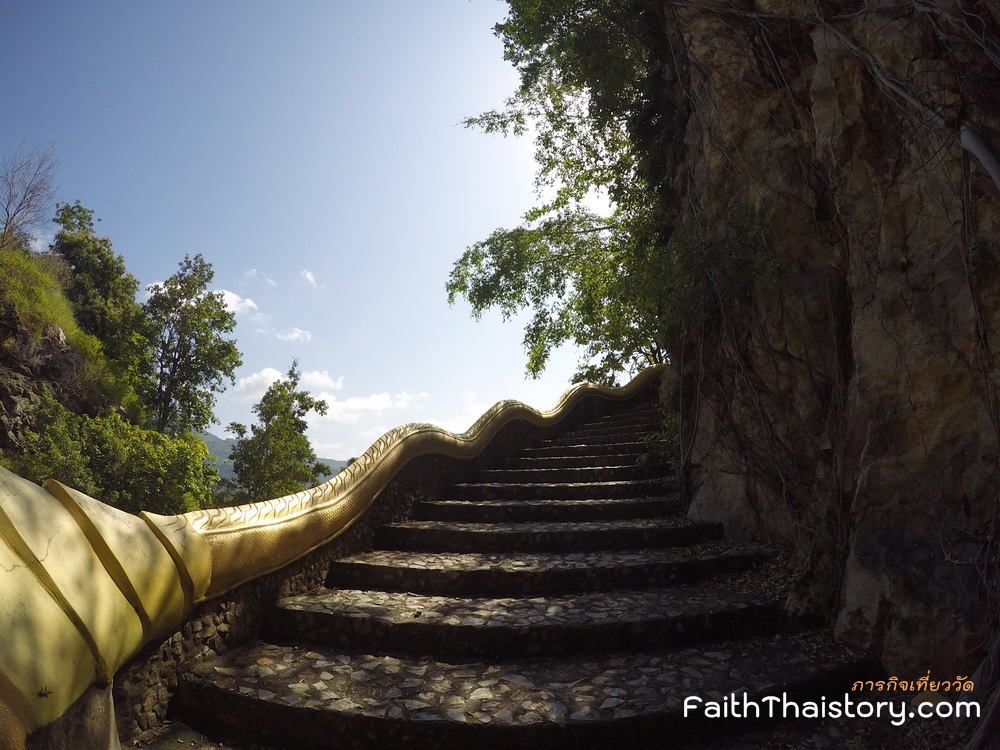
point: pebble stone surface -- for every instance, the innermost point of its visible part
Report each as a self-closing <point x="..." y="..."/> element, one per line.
<point x="579" y="610"/>
<point x="527" y="527"/>
<point x="541" y="561"/>
<point x="515" y="692"/>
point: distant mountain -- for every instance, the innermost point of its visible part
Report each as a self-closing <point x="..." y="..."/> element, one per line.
<point x="220" y="448"/>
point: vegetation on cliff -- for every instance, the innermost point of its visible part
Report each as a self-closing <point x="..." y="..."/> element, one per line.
<point x="119" y="417"/>
<point x="97" y="390"/>
<point x="588" y="276"/>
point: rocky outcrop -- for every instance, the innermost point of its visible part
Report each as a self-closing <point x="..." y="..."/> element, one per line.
<point x="29" y="363"/>
<point x="850" y="405"/>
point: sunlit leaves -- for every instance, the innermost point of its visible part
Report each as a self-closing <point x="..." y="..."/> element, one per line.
<point x="102" y="292"/>
<point x="585" y="69"/>
<point x="192" y="354"/>
<point x="573" y="270"/>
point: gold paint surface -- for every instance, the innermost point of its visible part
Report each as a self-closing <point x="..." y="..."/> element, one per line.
<point x="44" y="658"/>
<point x="84" y="587"/>
<point x="133" y="555"/>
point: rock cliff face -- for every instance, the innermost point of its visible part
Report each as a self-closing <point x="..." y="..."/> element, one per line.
<point x="851" y="406"/>
<point x="29" y="363"/>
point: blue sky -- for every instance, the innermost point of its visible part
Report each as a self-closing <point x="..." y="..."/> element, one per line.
<point x="312" y="151"/>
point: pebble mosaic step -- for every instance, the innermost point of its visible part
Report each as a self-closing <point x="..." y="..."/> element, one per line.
<point x="562" y="490"/>
<point x="612" y="437"/>
<point x="520" y="626"/>
<point x="594" y="433"/>
<point x="294" y="696"/>
<point x="586" y="449"/>
<point x="454" y="536"/>
<point x="485" y="511"/>
<point x="574" y="474"/>
<point x="543" y="462"/>
<point x="537" y="574"/>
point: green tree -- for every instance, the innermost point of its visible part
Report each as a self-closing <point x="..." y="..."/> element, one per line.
<point x="116" y="462"/>
<point x="586" y="280"/>
<point x="274" y="457"/>
<point x="588" y="70"/>
<point x="102" y="292"/>
<point x="191" y="354"/>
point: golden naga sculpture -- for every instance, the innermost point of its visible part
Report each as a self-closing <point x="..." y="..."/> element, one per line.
<point x="83" y="586"/>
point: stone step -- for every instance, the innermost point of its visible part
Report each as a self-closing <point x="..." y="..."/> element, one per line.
<point x="506" y="511"/>
<point x="544" y="462"/>
<point x="628" y="620"/>
<point x="294" y="696"/>
<point x="454" y="536"/>
<point x="648" y="413"/>
<point x="563" y="490"/>
<point x="570" y="474"/>
<point x="538" y="574"/>
<point x="594" y="432"/>
<point x="597" y="432"/>
<point x="607" y="448"/>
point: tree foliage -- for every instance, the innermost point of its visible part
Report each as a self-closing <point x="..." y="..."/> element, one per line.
<point x="581" y="275"/>
<point x="117" y="462"/>
<point x="588" y="277"/>
<point x="192" y="355"/>
<point x="102" y="292"/>
<point x="274" y="457"/>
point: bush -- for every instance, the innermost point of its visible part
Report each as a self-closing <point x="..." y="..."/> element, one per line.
<point x="35" y="296"/>
<point x="116" y="462"/>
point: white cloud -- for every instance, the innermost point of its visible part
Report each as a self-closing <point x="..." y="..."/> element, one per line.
<point x="328" y="450"/>
<point x="254" y="275"/>
<point x="321" y="379"/>
<point x="238" y="305"/>
<point x="406" y="400"/>
<point x="148" y="290"/>
<point x="294" y="334"/>
<point x="252" y="387"/>
<point x="351" y="410"/>
<point x="472" y="409"/>
<point x="310" y="279"/>
<point x="42" y="241"/>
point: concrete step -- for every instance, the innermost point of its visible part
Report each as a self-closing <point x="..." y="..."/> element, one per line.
<point x="454" y="536"/>
<point x="621" y="620"/>
<point x="304" y="696"/>
<point x="507" y="511"/>
<point x="539" y="574"/>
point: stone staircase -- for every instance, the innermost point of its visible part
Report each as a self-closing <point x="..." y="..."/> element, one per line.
<point x="562" y="600"/>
